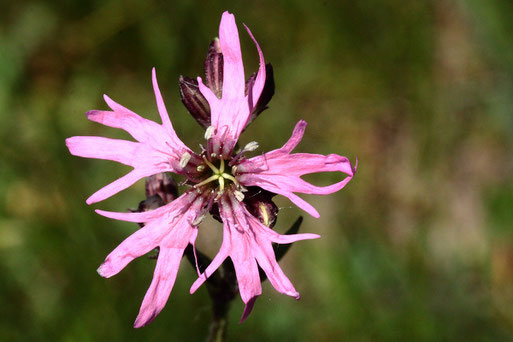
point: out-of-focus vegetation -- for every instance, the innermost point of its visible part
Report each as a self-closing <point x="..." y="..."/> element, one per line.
<point x="419" y="245"/>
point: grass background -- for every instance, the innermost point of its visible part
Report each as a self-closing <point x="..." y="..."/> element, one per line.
<point x="419" y="245"/>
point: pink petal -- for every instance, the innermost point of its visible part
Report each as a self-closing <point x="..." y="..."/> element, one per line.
<point x="170" y="255"/>
<point x="295" y="138"/>
<point x="164" y="116"/>
<point x="233" y="70"/>
<point x="121" y="151"/>
<point x="230" y="114"/>
<point x="169" y="227"/>
<point x="158" y="148"/>
<point x="280" y="172"/>
<point x="163" y="280"/>
<point x="144" y="216"/>
<point x="214" y="265"/>
<point x="137" y="244"/>
<point x="247" y="309"/>
<point x="168" y="211"/>
<point x="116" y="186"/>
<point x="246" y="241"/>
<point x="279" y="238"/>
<point x="172" y="139"/>
<point x="145" y="160"/>
<point x="160" y="137"/>
<point x="139" y="128"/>
<point x="264" y="254"/>
<point x="246" y="268"/>
<point x="173" y="219"/>
<point x="257" y="87"/>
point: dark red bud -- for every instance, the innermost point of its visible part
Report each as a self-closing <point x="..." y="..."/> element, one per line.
<point x="163" y="185"/>
<point x="150" y="203"/>
<point x="194" y="101"/>
<point x="259" y="203"/>
<point x="214" y="68"/>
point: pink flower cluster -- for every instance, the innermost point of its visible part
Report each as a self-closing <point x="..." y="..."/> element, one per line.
<point x="216" y="176"/>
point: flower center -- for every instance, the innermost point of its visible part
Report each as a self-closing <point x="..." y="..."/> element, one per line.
<point x="218" y="174"/>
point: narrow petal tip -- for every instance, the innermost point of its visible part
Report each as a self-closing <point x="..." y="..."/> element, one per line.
<point x="201" y="279"/>
<point x="247" y="309"/>
<point x="142" y="321"/>
<point x="91" y="200"/>
<point x="105" y="270"/>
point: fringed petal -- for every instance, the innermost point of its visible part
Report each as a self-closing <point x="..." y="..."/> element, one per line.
<point x="249" y="243"/>
<point x="256" y="88"/>
<point x="171" y="228"/>
<point x="233" y="71"/>
<point x="234" y="108"/>
<point x="162" y="283"/>
<point x="280" y="172"/>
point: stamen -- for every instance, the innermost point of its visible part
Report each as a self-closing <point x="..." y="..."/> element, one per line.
<point x="250" y="146"/>
<point x="209" y="132"/>
<point x="213" y="155"/>
<point x="200" y="168"/>
<point x="265" y="214"/>
<point x="234" y="169"/>
<point x="185" y="159"/>
<point x="198" y="220"/>
<point x="238" y="195"/>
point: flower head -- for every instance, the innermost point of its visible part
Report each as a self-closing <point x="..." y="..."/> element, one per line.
<point x="221" y="180"/>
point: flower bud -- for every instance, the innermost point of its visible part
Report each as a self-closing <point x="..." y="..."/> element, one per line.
<point x="194" y="101"/>
<point x="259" y="204"/>
<point x="163" y="185"/>
<point x="150" y="203"/>
<point x="214" y="68"/>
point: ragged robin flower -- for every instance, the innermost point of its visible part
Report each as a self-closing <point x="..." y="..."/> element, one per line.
<point x="221" y="178"/>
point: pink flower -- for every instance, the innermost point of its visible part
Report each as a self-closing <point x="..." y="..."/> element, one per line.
<point x="218" y="178"/>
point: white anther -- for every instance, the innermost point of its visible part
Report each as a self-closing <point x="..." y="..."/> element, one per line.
<point x="200" y="168"/>
<point x="209" y="132"/>
<point x="198" y="220"/>
<point x="213" y="155"/>
<point x="251" y="146"/>
<point x="234" y="169"/>
<point x="238" y="195"/>
<point x="185" y="159"/>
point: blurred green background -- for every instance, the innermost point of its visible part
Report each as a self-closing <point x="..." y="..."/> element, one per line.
<point x="418" y="246"/>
